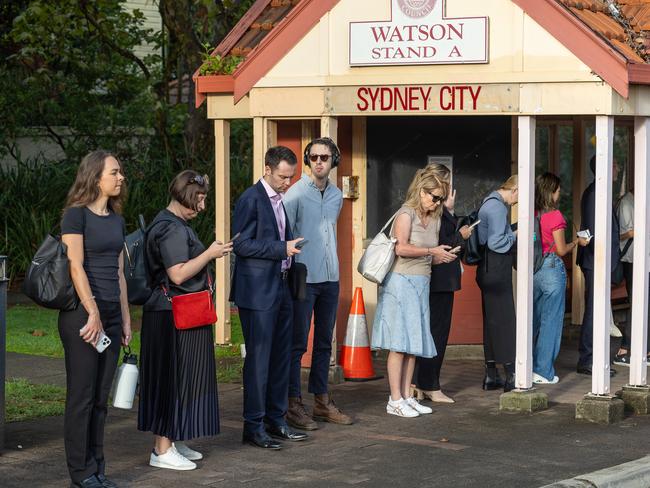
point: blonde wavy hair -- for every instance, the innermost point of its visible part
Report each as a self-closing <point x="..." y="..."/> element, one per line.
<point x="440" y="171"/>
<point x="511" y="183"/>
<point x="425" y="180"/>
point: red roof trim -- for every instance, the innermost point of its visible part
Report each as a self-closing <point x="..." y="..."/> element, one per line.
<point x="241" y="27"/>
<point x="639" y="73"/>
<point x="578" y="38"/>
<point x="302" y="18"/>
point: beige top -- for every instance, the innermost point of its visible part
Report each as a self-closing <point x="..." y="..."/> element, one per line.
<point x="421" y="236"/>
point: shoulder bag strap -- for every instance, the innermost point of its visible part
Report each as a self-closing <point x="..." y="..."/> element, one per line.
<point x="390" y="220"/>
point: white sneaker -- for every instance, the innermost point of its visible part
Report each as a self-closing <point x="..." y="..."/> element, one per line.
<point x="186" y="452"/>
<point x="401" y="408"/>
<point x="538" y="379"/>
<point x="415" y="405"/>
<point x="172" y="459"/>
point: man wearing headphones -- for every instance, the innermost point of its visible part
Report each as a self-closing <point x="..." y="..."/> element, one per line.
<point x="313" y="205"/>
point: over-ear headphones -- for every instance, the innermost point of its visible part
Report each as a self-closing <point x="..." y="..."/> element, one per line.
<point x="325" y="141"/>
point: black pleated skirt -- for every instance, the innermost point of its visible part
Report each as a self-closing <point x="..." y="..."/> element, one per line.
<point x="178" y="383"/>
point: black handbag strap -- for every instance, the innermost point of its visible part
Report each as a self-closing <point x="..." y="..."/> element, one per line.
<point x="626" y="246"/>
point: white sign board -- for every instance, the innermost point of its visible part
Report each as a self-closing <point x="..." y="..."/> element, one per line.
<point x="419" y="33"/>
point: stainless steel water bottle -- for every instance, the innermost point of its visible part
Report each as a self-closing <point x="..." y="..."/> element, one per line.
<point x="126" y="381"/>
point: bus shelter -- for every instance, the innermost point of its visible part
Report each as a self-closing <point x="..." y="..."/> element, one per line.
<point x="489" y="87"/>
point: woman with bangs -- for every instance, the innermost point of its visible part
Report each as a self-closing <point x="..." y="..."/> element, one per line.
<point x="178" y="386"/>
<point x="401" y="322"/>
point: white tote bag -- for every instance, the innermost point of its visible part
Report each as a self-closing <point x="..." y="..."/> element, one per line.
<point x="379" y="256"/>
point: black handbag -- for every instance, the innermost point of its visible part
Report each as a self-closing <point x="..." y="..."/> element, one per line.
<point x="617" y="271"/>
<point x="135" y="265"/>
<point x="298" y="281"/>
<point x="48" y="281"/>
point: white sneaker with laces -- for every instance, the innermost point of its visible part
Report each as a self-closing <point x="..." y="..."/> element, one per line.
<point x="538" y="379"/>
<point x="400" y="408"/>
<point x="172" y="459"/>
<point x="188" y="453"/>
<point x="415" y="405"/>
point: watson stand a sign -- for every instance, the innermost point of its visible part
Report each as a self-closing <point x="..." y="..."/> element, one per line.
<point x="419" y="33"/>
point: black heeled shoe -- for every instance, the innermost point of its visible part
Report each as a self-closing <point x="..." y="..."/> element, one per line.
<point x="492" y="379"/>
<point x="509" y="369"/>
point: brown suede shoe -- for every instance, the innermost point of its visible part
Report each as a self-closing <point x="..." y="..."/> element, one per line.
<point x="326" y="411"/>
<point x="297" y="415"/>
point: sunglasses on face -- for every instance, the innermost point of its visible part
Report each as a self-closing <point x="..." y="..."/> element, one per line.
<point x="323" y="157"/>
<point x="437" y="198"/>
<point x="199" y="180"/>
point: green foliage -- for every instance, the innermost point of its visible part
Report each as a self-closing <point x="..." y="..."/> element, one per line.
<point x="27" y="401"/>
<point x="218" y="65"/>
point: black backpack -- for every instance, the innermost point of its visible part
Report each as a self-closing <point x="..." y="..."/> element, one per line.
<point x="135" y="265"/>
<point x="474" y="251"/>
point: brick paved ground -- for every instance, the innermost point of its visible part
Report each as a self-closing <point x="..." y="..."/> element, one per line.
<point x="468" y="444"/>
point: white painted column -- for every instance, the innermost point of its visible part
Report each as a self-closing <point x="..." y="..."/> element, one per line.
<point x="222" y="227"/>
<point x="525" y="258"/>
<point x="600" y="384"/>
<point x="638" y="361"/>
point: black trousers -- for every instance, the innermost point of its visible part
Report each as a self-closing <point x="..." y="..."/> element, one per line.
<point x="494" y="278"/>
<point x="89" y="376"/>
<point x="441" y="304"/>
<point x="586" y="345"/>
<point x="627" y="330"/>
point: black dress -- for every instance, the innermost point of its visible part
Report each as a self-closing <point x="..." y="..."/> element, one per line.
<point x="178" y="384"/>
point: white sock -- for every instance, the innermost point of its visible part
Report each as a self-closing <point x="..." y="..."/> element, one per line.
<point x="394" y="402"/>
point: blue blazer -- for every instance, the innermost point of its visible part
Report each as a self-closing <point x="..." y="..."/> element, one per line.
<point x="259" y="250"/>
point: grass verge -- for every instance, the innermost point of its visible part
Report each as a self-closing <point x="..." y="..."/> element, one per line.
<point x="27" y="401"/>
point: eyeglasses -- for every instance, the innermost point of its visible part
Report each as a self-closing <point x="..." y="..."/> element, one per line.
<point x="437" y="198"/>
<point x="199" y="180"/>
<point x="323" y="157"/>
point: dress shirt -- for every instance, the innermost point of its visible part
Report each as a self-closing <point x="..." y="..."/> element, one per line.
<point x="278" y="210"/>
<point x="313" y="215"/>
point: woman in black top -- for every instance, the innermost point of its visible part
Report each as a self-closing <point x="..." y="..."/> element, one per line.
<point x="93" y="231"/>
<point x="445" y="280"/>
<point x="178" y="384"/>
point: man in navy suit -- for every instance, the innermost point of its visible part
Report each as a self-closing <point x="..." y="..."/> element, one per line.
<point x="260" y="289"/>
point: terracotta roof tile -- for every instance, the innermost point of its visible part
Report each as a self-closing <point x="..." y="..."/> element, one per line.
<point x="628" y="32"/>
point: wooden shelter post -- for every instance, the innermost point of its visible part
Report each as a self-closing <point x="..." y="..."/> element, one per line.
<point x="222" y="227"/>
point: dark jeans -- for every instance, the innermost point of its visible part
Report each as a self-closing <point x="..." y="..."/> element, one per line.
<point x="322" y="300"/>
<point x="585" y="348"/>
<point x="89" y="377"/>
<point x="627" y="330"/>
<point x="267" y="334"/>
<point x="427" y="373"/>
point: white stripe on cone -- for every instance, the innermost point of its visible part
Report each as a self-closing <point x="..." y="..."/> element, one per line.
<point x="357" y="333"/>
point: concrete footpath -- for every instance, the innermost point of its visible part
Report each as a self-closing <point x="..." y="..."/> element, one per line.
<point x="468" y="444"/>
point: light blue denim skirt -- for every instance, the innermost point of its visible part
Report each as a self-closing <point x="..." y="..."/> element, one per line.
<point x="402" y="318"/>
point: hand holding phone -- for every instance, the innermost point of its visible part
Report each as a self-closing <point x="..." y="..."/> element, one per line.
<point x="102" y="342"/>
<point x="455" y="250"/>
<point x="474" y="224"/>
<point x="300" y="244"/>
<point x="235" y="236"/>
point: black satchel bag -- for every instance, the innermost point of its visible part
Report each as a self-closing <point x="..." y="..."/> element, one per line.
<point x="135" y="266"/>
<point x="298" y="281"/>
<point x="48" y="280"/>
<point x="617" y="271"/>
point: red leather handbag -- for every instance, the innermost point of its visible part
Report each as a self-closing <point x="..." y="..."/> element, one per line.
<point x="193" y="309"/>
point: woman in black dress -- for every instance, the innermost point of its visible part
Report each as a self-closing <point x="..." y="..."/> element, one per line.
<point x="445" y="280"/>
<point x="178" y="384"/>
<point x="93" y="231"/>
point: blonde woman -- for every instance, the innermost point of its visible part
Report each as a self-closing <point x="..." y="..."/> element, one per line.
<point x="494" y="277"/>
<point x="402" y="320"/>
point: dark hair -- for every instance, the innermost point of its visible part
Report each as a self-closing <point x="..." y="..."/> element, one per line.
<point x="276" y="154"/>
<point x="331" y="145"/>
<point x="186" y="187"/>
<point x="545" y="185"/>
<point x="85" y="189"/>
<point x="592" y="164"/>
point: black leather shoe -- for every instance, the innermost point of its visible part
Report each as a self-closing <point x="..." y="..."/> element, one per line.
<point x="90" y="482"/>
<point x="106" y="483"/>
<point x="586" y="369"/>
<point x="260" y="439"/>
<point x="509" y="370"/>
<point x="286" y="433"/>
<point x="492" y="380"/>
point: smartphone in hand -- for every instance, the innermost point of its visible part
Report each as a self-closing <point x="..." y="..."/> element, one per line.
<point x="300" y="244"/>
<point x="455" y="250"/>
<point x="235" y="236"/>
<point x="474" y="224"/>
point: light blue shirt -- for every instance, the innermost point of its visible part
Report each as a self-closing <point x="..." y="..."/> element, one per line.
<point x="313" y="215"/>
<point x="494" y="228"/>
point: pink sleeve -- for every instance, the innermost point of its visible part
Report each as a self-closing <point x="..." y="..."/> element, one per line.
<point x="554" y="221"/>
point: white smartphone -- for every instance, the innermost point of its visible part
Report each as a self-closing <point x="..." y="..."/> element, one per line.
<point x="103" y="342"/>
<point x="455" y="250"/>
<point x="475" y="224"/>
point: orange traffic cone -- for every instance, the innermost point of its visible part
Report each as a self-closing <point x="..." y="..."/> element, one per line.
<point x="355" y="351"/>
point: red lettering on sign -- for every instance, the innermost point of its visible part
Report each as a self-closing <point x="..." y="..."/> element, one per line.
<point x="474" y="95"/>
<point x="360" y="94"/>
<point x="450" y="105"/>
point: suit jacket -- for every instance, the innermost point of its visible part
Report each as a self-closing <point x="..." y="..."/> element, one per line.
<point x="585" y="258"/>
<point x="445" y="277"/>
<point x="259" y="250"/>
